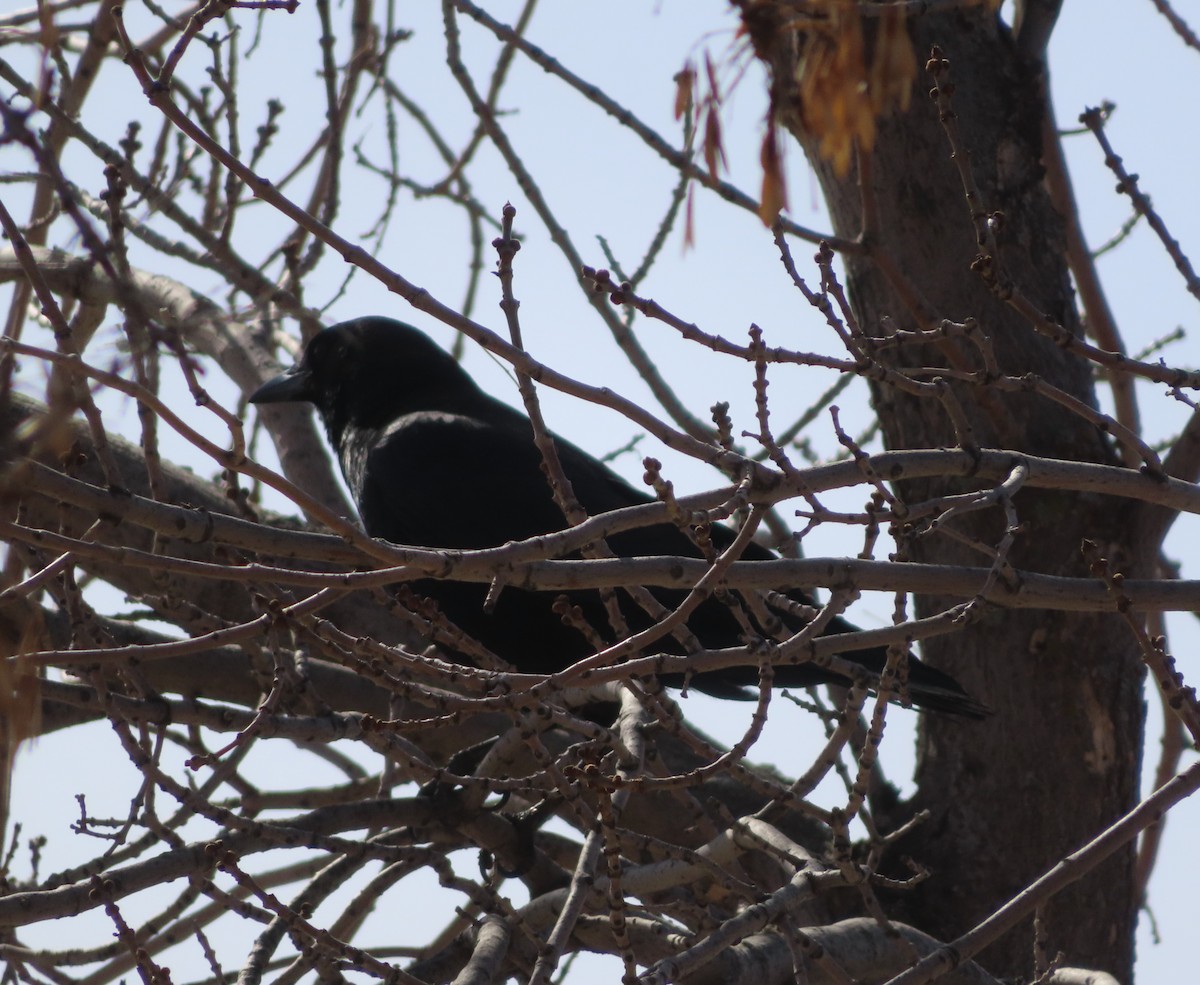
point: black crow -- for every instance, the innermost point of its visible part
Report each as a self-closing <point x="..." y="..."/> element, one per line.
<point x="433" y="461"/>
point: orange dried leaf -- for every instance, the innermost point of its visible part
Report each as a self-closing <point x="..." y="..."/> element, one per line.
<point x="835" y="97"/>
<point x="895" y="69"/>
<point x="774" y="184"/>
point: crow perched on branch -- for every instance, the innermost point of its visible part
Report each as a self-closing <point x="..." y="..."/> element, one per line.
<point x="433" y="461"/>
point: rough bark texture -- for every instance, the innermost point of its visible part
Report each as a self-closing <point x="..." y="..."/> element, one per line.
<point x="1060" y="758"/>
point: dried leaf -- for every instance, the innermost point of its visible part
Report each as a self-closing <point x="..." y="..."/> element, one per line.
<point x="20" y="691"/>
<point x="835" y="96"/>
<point x="774" y="184"/>
<point x="689" y="219"/>
<point x="895" y="68"/>
<point x="714" y="88"/>
<point x="685" y="84"/>
<point x="714" y="151"/>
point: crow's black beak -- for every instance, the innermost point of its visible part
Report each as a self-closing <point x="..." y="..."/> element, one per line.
<point x="295" y="384"/>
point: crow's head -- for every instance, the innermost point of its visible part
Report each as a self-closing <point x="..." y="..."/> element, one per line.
<point x="369" y="372"/>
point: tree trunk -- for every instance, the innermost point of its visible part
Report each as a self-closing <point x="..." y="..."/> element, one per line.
<point x="1060" y="757"/>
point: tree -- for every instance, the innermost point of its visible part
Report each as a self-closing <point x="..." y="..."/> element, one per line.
<point x="299" y="768"/>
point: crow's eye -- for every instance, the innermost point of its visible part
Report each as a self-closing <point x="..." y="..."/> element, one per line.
<point x="326" y="355"/>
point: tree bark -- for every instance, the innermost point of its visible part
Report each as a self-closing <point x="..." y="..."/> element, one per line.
<point x="1060" y="758"/>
